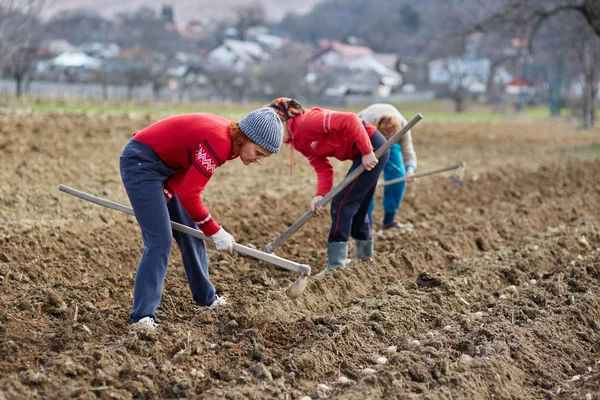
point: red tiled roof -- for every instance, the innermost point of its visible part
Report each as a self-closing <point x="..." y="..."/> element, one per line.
<point x="518" y="81"/>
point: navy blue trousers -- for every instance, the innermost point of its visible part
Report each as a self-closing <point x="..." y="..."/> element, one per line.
<point x="349" y="208"/>
<point x="144" y="175"/>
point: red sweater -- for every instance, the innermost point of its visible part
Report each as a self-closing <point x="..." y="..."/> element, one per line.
<point x="319" y="134"/>
<point x="198" y="144"/>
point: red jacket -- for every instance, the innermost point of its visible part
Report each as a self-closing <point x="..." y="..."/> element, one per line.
<point x="201" y="141"/>
<point x="319" y="134"/>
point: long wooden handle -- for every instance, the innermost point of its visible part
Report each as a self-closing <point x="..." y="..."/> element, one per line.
<point x="340" y="186"/>
<point x="425" y="173"/>
<point x="270" y="258"/>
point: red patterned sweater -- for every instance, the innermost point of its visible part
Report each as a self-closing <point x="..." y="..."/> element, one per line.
<point x="198" y="144"/>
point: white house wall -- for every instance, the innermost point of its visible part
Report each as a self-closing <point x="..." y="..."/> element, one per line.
<point x="225" y="58"/>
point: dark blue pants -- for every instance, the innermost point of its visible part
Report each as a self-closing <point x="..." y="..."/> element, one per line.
<point x="349" y="207"/>
<point x="144" y="176"/>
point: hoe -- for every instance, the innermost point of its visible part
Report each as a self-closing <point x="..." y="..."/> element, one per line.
<point x="294" y="291"/>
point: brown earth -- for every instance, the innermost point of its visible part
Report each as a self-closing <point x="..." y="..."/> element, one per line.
<point x="493" y="295"/>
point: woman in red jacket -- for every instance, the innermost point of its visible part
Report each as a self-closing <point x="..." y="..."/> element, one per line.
<point x="173" y="160"/>
<point x="319" y="134"/>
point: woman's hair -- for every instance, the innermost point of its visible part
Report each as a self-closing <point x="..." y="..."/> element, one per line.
<point x="286" y="108"/>
<point x="388" y="125"/>
<point x="239" y="138"/>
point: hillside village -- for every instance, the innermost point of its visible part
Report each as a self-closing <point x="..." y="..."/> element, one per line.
<point x="149" y="55"/>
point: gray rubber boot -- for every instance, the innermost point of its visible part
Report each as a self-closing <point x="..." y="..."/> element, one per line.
<point x="337" y="255"/>
<point x="364" y="249"/>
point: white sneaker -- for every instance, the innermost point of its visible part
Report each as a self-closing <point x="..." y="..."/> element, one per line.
<point x="219" y="301"/>
<point x="148" y="321"/>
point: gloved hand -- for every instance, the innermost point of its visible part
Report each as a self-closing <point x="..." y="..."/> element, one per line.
<point x="223" y="240"/>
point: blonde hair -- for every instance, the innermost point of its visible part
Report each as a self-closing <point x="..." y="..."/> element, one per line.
<point x="388" y="125"/>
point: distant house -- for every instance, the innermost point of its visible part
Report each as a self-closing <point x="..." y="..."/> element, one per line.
<point x="101" y="50"/>
<point x="187" y="69"/>
<point x="335" y="53"/>
<point x="390" y="60"/>
<point x="354" y="70"/>
<point x="76" y="60"/>
<point x="69" y="67"/>
<point x="194" y="29"/>
<point x="387" y="76"/>
<point x="261" y="35"/>
<point x="236" y="55"/>
<point x="415" y="70"/>
<point x="519" y="85"/>
<point x="231" y="33"/>
<point x="353" y="82"/>
<point x="453" y="72"/>
<point x="58" y="46"/>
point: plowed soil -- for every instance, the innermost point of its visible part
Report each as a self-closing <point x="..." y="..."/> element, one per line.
<point x="494" y="294"/>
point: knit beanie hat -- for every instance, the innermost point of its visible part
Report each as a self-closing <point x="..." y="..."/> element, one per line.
<point x="263" y="127"/>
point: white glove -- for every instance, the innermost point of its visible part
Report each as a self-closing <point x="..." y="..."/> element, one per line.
<point x="223" y="240"/>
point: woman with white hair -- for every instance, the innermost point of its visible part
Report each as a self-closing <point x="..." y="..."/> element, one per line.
<point x="401" y="164"/>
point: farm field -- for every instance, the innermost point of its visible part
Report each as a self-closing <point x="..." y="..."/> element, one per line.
<point x="494" y="294"/>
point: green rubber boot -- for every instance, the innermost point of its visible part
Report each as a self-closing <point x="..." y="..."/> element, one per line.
<point x="364" y="249"/>
<point x="337" y="255"/>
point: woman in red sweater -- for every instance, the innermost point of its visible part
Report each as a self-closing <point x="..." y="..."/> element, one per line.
<point x="319" y="134"/>
<point x="165" y="168"/>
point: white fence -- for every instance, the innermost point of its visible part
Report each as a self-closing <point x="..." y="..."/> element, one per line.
<point x="63" y="90"/>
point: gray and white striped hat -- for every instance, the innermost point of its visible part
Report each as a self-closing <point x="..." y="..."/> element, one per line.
<point x="263" y="127"/>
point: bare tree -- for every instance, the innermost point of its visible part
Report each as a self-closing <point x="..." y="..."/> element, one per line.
<point x="578" y="26"/>
<point x="136" y="74"/>
<point x="79" y="26"/>
<point x="249" y="16"/>
<point x="102" y="78"/>
<point x="17" y="20"/>
<point x="146" y="30"/>
<point x="283" y="76"/>
<point x="552" y="60"/>
<point x="158" y="73"/>
<point x="586" y="46"/>
<point x="532" y="14"/>
<point x="20" y="64"/>
<point x="461" y="76"/>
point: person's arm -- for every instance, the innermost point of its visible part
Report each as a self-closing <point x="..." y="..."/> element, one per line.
<point x="173" y="185"/>
<point x="324" y="171"/>
<point x="409" y="156"/>
<point x="192" y="186"/>
<point x="190" y="197"/>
